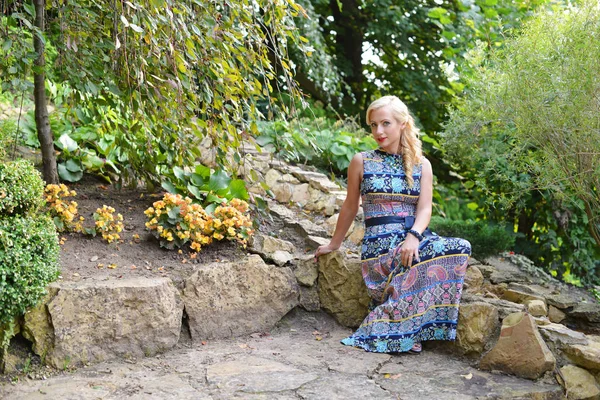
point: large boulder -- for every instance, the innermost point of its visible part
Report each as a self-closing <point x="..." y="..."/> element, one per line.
<point x="92" y="321"/>
<point x="520" y="350"/>
<point x="233" y="299"/>
<point x="477" y="324"/>
<point x="342" y="291"/>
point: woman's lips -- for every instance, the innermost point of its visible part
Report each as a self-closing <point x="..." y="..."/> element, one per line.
<point x="380" y="139"/>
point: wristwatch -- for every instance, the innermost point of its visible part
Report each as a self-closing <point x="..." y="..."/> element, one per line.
<point x="415" y="234"/>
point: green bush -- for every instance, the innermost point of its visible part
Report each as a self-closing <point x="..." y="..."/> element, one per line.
<point x="486" y="239"/>
<point x="28" y="262"/>
<point x="21" y="188"/>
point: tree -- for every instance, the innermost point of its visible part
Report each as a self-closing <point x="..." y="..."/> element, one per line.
<point x="39" y="93"/>
<point x="171" y="71"/>
<point x="529" y="123"/>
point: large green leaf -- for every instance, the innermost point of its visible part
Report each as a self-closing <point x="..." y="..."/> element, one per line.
<point x="237" y="187"/>
<point x="218" y="181"/>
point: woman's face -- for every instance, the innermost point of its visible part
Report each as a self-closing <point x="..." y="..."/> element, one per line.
<point x="386" y="130"/>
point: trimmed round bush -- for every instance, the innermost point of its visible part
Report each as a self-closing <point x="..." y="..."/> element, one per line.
<point x="486" y="239"/>
<point x="28" y="262"/>
<point x="21" y="188"/>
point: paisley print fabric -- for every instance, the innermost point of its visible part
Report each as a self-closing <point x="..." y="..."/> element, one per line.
<point x="409" y="305"/>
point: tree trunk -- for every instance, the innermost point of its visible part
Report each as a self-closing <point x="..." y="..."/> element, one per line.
<point x="39" y="92"/>
<point x="350" y="24"/>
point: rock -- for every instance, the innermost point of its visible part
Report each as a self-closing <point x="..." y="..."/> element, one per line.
<point x="37" y="326"/>
<point x="315" y="241"/>
<point x="563" y="299"/>
<point x="588" y="314"/>
<point x="316" y="196"/>
<point x="477" y="324"/>
<point x="473" y="279"/>
<point x="290" y="179"/>
<point x="342" y="291"/>
<point x="556" y="315"/>
<point x="585" y="356"/>
<point x="283" y="192"/>
<point x="537" y="308"/>
<point x="280" y="257"/>
<point x="504" y="307"/>
<point x="233" y="299"/>
<point x="505" y="271"/>
<point x="287" y="215"/>
<point x="300" y="194"/>
<point x="272" y="177"/>
<point x="307" y="271"/>
<point x="271" y="245"/>
<point x="357" y="234"/>
<point x="520" y="350"/>
<point x="322" y="183"/>
<point x="561" y="336"/>
<point x="266" y="245"/>
<point x="578" y="383"/>
<point x="309" y="299"/>
<point x="93" y="321"/>
<point x="257" y="375"/>
<point x="517" y="296"/>
<point x="542" y="321"/>
<point x="307" y="228"/>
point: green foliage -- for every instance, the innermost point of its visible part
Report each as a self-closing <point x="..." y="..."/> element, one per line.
<point x="158" y="76"/>
<point x="327" y="145"/>
<point x="486" y="239"/>
<point x="208" y="187"/>
<point x="28" y="262"/>
<point x="7" y="136"/>
<point x="21" y="188"/>
<point x="526" y="134"/>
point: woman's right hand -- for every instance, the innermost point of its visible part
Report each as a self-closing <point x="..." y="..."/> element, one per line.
<point x="325" y="249"/>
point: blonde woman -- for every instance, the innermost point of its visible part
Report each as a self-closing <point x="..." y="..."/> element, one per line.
<point x="414" y="277"/>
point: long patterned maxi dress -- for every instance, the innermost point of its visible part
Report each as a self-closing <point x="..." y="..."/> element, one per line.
<point x="409" y="305"/>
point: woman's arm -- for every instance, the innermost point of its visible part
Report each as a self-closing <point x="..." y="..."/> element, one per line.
<point x="349" y="208"/>
<point x="410" y="248"/>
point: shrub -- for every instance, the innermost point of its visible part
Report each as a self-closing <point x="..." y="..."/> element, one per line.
<point x="28" y="262"/>
<point x="63" y="212"/>
<point x="486" y="239"/>
<point x="21" y="188"/>
<point x="175" y="221"/>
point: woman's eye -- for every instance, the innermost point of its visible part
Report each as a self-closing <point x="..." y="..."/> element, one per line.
<point x="386" y="123"/>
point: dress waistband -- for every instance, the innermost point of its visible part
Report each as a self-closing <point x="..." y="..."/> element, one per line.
<point x="408" y="221"/>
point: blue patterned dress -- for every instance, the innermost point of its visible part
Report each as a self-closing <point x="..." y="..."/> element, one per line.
<point x="409" y="305"/>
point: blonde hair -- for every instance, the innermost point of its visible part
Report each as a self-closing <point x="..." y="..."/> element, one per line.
<point x="409" y="142"/>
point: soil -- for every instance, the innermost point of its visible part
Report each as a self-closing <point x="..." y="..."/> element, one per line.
<point x="86" y="257"/>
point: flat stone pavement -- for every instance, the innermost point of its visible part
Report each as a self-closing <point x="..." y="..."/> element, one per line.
<point x="300" y="359"/>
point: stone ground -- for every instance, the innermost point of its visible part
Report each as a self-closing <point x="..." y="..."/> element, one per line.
<point x="301" y="358"/>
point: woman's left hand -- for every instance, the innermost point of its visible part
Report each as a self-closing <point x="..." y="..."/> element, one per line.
<point x="409" y="250"/>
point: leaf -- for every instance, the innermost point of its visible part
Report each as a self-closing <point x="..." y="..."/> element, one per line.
<point x="6" y="45"/>
<point x="219" y="180"/>
<point x="73" y="166"/>
<point x="195" y="191"/>
<point x="136" y="28"/>
<point x="67" y="175"/>
<point x="124" y="20"/>
<point x="179" y="173"/>
<point x="472" y="206"/>
<point x="174" y="213"/>
<point x="436" y="12"/>
<point x="237" y="187"/>
<point x="196" y="180"/>
<point x="168" y="186"/>
<point x="66" y="143"/>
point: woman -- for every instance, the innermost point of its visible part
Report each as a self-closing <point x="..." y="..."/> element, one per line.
<point x="413" y="276"/>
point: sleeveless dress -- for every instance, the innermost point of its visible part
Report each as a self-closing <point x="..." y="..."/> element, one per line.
<point x="408" y="305"/>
